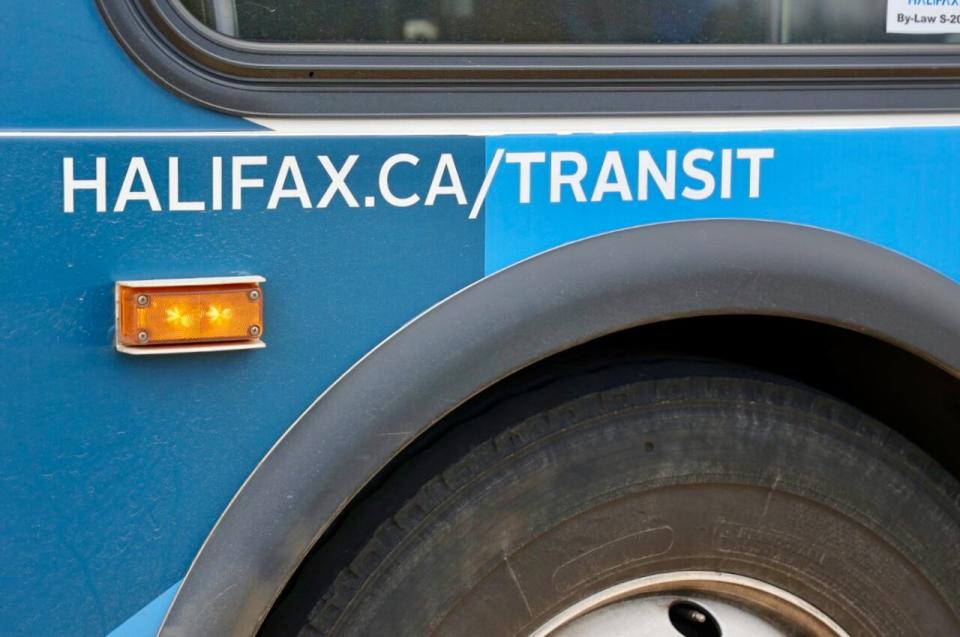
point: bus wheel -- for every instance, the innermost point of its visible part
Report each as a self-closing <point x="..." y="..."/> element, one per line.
<point x="706" y="503"/>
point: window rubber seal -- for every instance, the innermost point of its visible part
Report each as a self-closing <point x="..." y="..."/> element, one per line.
<point x="396" y="80"/>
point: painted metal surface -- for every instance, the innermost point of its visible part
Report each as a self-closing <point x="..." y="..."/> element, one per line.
<point x="113" y="456"/>
<point x="62" y="69"/>
<point x="888" y="186"/>
<point x="114" y="468"/>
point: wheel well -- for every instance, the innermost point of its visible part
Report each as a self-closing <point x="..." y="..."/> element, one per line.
<point x="907" y="393"/>
<point x="399" y="396"/>
<point x="916" y="398"/>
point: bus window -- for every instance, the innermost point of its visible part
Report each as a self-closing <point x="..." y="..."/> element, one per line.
<point x="554" y="21"/>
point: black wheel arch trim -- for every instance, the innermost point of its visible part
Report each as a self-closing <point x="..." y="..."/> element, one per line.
<point x="525" y="313"/>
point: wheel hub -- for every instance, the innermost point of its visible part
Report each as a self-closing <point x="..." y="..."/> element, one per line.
<point x="691" y="604"/>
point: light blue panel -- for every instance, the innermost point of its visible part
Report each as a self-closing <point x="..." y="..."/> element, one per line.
<point x="897" y="188"/>
<point x="147" y="621"/>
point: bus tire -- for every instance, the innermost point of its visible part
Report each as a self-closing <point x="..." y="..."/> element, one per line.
<point x="677" y="490"/>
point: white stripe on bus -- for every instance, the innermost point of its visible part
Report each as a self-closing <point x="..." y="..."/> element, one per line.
<point x="491" y="126"/>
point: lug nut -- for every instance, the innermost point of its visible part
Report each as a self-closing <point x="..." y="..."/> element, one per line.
<point x="697" y="617"/>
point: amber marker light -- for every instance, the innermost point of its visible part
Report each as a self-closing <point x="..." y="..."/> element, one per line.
<point x="178" y="316"/>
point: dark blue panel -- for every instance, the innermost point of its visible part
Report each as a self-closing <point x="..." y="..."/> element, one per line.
<point x="115" y="467"/>
<point x="62" y="69"/>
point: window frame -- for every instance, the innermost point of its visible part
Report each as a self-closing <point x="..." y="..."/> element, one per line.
<point x="300" y="79"/>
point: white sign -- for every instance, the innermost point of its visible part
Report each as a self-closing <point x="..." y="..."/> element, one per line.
<point x="923" y="16"/>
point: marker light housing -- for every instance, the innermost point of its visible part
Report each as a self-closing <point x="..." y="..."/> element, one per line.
<point x="178" y="316"/>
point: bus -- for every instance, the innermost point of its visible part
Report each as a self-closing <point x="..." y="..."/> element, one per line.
<point x="480" y="318"/>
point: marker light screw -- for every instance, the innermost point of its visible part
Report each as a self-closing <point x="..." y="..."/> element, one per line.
<point x="253" y="295"/>
<point x="254" y="330"/>
<point x="142" y="336"/>
<point x="142" y="300"/>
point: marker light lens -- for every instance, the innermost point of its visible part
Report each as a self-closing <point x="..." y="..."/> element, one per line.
<point x="189" y="314"/>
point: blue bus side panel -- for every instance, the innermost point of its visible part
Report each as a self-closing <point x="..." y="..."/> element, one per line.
<point x="62" y="69"/>
<point x="896" y="188"/>
<point x="118" y="466"/>
<point x="115" y="467"/>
